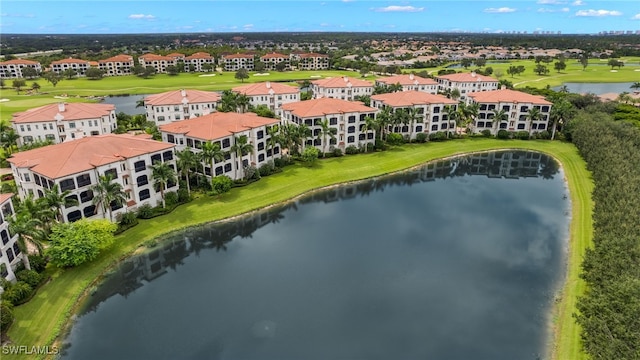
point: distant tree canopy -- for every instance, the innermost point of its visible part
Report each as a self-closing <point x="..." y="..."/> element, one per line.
<point x="242" y="74"/>
<point x="94" y="73"/>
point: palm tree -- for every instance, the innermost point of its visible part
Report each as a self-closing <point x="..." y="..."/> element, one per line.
<point x="55" y="200"/>
<point x="452" y="116"/>
<point x="635" y="86"/>
<point x="9" y="139"/>
<point x="105" y="193"/>
<point x="560" y="111"/>
<point x="186" y="161"/>
<point x="304" y="132"/>
<point x="395" y="87"/>
<point x="384" y="118"/>
<point x="498" y="117"/>
<point x="467" y="113"/>
<point x="28" y="230"/>
<point x="211" y="153"/>
<point x="533" y="115"/>
<point x="274" y="137"/>
<point x="242" y="102"/>
<point x="162" y="174"/>
<point x="369" y="124"/>
<point x="455" y="94"/>
<point x="325" y="130"/>
<point x="228" y="101"/>
<point x="624" y="97"/>
<point x="241" y="147"/>
<point x="35" y="209"/>
<point x="413" y="116"/>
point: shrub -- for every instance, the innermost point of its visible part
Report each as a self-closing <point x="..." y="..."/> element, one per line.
<point x="145" y="211"/>
<point x="183" y="196"/>
<point x="171" y="198"/>
<point x="545" y="135"/>
<point x="6" y="315"/>
<point x="486" y="133"/>
<point x="310" y="155"/>
<point x="437" y="136"/>
<point x="126" y="218"/>
<point x="17" y="293"/>
<point x="522" y="135"/>
<point x="38" y="263"/>
<point x="251" y="172"/>
<point x="380" y="145"/>
<point x="282" y="161"/>
<point x="221" y="184"/>
<point x="30" y="277"/>
<point x="503" y="134"/>
<point x="350" y="150"/>
<point x="267" y="168"/>
<point x="336" y="152"/>
<point x="395" y="139"/>
<point x="369" y="147"/>
<point x="421" y="137"/>
<point x="80" y="242"/>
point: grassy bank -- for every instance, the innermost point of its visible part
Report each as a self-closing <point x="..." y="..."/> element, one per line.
<point x="40" y="321"/>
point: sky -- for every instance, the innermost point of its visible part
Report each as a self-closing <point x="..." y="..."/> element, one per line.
<point x="157" y="16"/>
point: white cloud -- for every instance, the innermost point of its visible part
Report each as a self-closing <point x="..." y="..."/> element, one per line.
<point x="395" y="8"/>
<point x="141" y="16"/>
<point x="598" y="13"/>
<point x="636" y="17"/>
<point x="578" y="3"/>
<point x="547" y="10"/>
<point x="502" y="10"/>
<point x="247" y="26"/>
<point x="564" y="9"/>
<point x="551" y="2"/>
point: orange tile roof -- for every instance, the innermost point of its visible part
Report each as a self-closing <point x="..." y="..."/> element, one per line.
<point x="151" y="57"/>
<point x="324" y="106"/>
<point x="341" y="82"/>
<point x="274" y="55"/>
<point x="93" y="63"/>
<point x="263" y="88"/>
<point x="239" y="56"/>
<point x="467" y="77"/>
<point x="175" y="55"/>
<point x="407" y="80"/>
<point x="506" y="95"/>
<point x="19" y="62"/>
<point x="72" y="112"/>
<point x="5" y="197"/>
<point x="413" y="97"/>
<point x="217" y="125"/>
<point x="67" y="158"/>
<point x="70" y="61"/>
<point x="199" y="55"/>
<point x="117" y="58"/>
<point x="175" y="97"/>
<point x="313" y="55"/>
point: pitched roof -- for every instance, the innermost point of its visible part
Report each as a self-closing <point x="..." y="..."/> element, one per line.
<point x="70" y="61"/>
<point x="117" y="58"/>
<point x="407" y="79"/>
<point x="413" y="97"/>
<point x="239" y="56"/>
<point x="264" y="88"/>
<point x="313" y="55"/>
<point x="217" y="125"/>
<point x="506" y="95"/>
<point x="72" y="112"/>
<point x="274" y="55"/>
<point x="175" y="97"/>
<point x="340" y="82"/>
<point x="5" y="197"/>
<point x="151" y="57"/>
<point x="175" y="55"/>
<point x="324" y="106"/>
<point x="19" y="62"/>
<point x="67" y="158"/>
<point x="467" y="77"/>
<point x="199" y="55"/>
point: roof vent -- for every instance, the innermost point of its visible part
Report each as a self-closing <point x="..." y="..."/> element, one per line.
<point x="268" y="84"/>
<point x="473" y="74"/>
<point x="183" y="92"/>
<point x="61" y="107"/>
<point x="411" y="76"/>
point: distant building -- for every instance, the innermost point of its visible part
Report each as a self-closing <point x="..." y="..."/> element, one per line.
<point x="271" y="61"/>
<point x="179" y="105"/>
<point x="13" y="68"/>
<point x="10" y="253"/>
<point x="116" y="65"/>
<point x="78" y="65"/>
<point x="410" y="82"/>
<point x="235" y="62"/>
<point x="273" y="95"/>
<point x="312" y="61"/>
<point x="344" y="88"/>
<point x="158" y="62"/>
<point x="64" y="122"/>
<point x="466" y="83"/>
<point x="197" y="61"/>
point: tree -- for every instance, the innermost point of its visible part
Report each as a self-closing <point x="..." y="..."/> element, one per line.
<point x="369" y="124"/>
<point x="325" y="131"/>
<point x="70" y="74"/>
<point x="533" y="115"/>
<point x="310" y="155"/>
<point x="228" y="101"/>
<point x="9" y="139"/>
<point x="512" y="70"/>
<point x="559" y="65"/>
<point x="52" y="77"/>
<point x="79" y="242"/>
<point x="242" y="74"/>
<point x="35" y="87"/>
<point x="303" y="133"/>
<point x="94" y="73"/>
<point x="468" y="113"/>
<point x="584" y="61"/>
<point x="452" y="115"/>
<point x="466" y="62"/>
<point x="394" y="87"/>
<point x="241" y="147"/>
<point x="274" y="137"/>
<point x="162" y="175"/>
<point x="498" y="117"/>
<point x="28" y="230"/>
<point x="560" y="112"/>
<point x="480" y="61"/>
<point x="18" y="84"/>
<point x="384" y="118"/>
<point x="221" y="184"/>
<point x="106" y="193"/>
<point x="455" y="94"/>
<point x="186" y="161"/>
<point x="172" y="70"/>
<point x="243" y="102"/>
<point x="635" y="86"/>
<point x="264" y="111"/>
<point x="211" y="153"/>
<point x="56" y="200"/>
<point x="541" y="69"/>
<point x="2" y="84"/>
<point x="29" y="72"/>
<point x="613" y="63"/>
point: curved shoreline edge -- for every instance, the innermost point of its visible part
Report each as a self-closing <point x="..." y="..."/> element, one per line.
<point x="43" y="320"/>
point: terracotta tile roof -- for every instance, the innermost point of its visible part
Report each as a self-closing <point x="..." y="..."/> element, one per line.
<point x="217" y="125"/>
<point x="341" y="82"/>
<point x="5" y="197"/>
<point x="67" y="158"/>
<point x="72" y="112"/>
<point x="117" y="58"/>
<point x="313" y="55"/>
<point x="94" y="63"/>
<point x="506" y="95"/>
<point x="70" y="61"/>
<point x="467" y="77"/>
<point x="406" y="80"/>
<point x="323" y="106"/>
<point x="175" y="97"/>
<point x="263" y="88"/>
<point x="274" y="56"/>
<point x="409" y="98"/>
<point x="239" y="56"/>
<point x="152" y="57"/>
<point x="175" y="55"/>
<point x="19" y="62"/>
<point x="199" y="55"/>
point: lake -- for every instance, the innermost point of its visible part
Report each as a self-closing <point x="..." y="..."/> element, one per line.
<point x="597" y="88"/>
<point x="458" y="259"/>
<point x="126" y="104"/>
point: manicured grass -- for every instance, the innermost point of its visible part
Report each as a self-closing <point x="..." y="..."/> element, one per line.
<point x="40" y="321"/>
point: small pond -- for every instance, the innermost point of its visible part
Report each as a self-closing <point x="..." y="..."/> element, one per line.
<point x="126" y="103"/>
<point x="458" y="259"/>
<point x="597" y="88"/>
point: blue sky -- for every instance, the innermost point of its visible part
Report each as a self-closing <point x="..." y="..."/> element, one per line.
<point x="153" y="16"/>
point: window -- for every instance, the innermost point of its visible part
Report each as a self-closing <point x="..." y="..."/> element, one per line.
<point x="167" y="155"/>
<point x="351" y="129"/>
<point x="83" y="180"/>
<point x="10" y="255"/>
<point x="50" y="137"/>
<point x="72" y="125"/>
<point x="89" y="211"/>
<point x="71" y="199"/>
<point x="160" y="118"/>
<point x="86" y="196"/>
<point x="506" y="108"/>
<point x="352" y="119"/>
<point x="542" y="126"/>
<point x="545" y="109"/>
<point x="261" y="158"/>
<point x="67" y="184"/>
<point x="112" y="173"/>
<point x="74" y="216"/>
<point x="524" y="108"/>
<point x="189" y="142"/>
<point x="142" y="180"/>
<point x="333" y="121"/>
<point x="5" y="237"/>
<point x="434" y="127"/>
<point x="171" y="138"/>
<point x="218" y="170"/>
<point x="139" y="165"/>
<point x="115" y="205"/>
<point x="260" y="146"/>
<point x="144" y="194"/>
<point x="227" y="168"/>
<point x="260" y="134"/>
<point x="226" y="143"/>
<point x="435" y="118"/>
<point x="16" y="249"/>
<point x="351" y="139"/>
<point x="521" y="126"/>
<point x="436" y="109"/>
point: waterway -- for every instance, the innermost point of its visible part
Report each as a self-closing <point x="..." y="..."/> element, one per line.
<point x="457" y="259"/>
<point x="126" y="104"/>
<point x="596" y="88"/>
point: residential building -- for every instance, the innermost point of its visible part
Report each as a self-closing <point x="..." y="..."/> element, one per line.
<point x="197" y="62"/>
<point x="64" y="122"/>
<point x="158" y="62"/>
<point x="429" y="111"/>
<point x="272" y="95"/>
<point x="516" y="106"/>
<point x="344" y="88"/>
<point x="178" y="105"/>
<point x="10" y="253"/>
<point x="78" y="65"/>
<point x="312" y="61"/>
<point x="235" y="62"/>
<point x="410" y="82"/>
<point x="224" y="128"/>
<point x="176" y="56"/>
<point x="13" y="68"/>
<point x="466" y="83"/>
<point x="77" y="165"/>
<point x="346" y="119"/>
<point x="117" y="65"/>
<point x="271" y="61"/>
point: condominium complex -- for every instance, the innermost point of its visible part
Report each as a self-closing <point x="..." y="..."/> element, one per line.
<point x="77" y="165"/>
<point x="158" y="62"/>
<point x="272" y="60"/>
<point x="117" y="65"/>
<point x="344" y="88"/>
<point x="410" y="82"/>
<point x="466" y="83"/>
<point x="178" y="105"/>
<point x="13" y="68"/>
<point x="271" y="94"/>
<point x="10" y="253"/>
<point x="64" y="122"/>
<point x="77" y="65"/>
<point x="199" y="62"/>
<point x="311" y="61"/>
<point x="235" y="62"/>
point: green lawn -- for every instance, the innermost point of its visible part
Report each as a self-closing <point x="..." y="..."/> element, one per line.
<point x="40" y="321"/>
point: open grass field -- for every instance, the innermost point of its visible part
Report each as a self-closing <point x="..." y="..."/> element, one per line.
<point x="41" y="321"/>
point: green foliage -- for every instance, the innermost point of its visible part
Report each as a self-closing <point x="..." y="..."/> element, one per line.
<point x="242" y="74"/>
<point x="282" y="161"/>
<point x="522" y="135"/>
<point x="17" y="293"/>
<point x="145" y="211"/>
<point x="221" y="184"/>
<point x="38" y="262"/>
<point x="421" y="137"/>
<point x="31" y="277"/>
<point x="6" y="315"/>
<point x="503" y="134"/>
<point x="336" y="152"/>
<point x="127" y="218"/>
<point x="171" y="198"/>
<point x="183" y="195"/>
<point x="267" y="168"/>
<point x="486" y="133"/>
<point x="395" y="139"/>
<point x="310" y="155"/>
<point x="350" y="150"/>
<point x="437" y="136"/>
<point x="545" y="135"/>
<point x="627" y="113"/>
<point x="94" y="73"/>
<point x="79" y="242"/>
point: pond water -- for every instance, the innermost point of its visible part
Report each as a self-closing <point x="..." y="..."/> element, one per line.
<point x="597" y="88"/>
<point x="126" y="104"/>
<point x="458" y="259"/>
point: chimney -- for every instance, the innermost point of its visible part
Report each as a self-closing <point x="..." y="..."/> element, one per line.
<point x="345" y="78"/>
<point x="268" y="84"/>
<point x="473" y="74"/>
<point x="183" y="92"/>
<point x="503" y="87"/>
<point x="60" y="107"/>
<point x="411" y="76"/>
